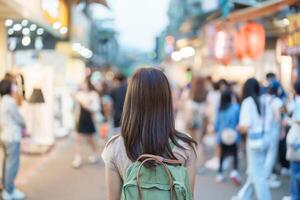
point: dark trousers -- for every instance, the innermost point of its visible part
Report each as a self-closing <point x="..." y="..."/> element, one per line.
<point x="282" y="152"/>
<point x="227" y="150"/>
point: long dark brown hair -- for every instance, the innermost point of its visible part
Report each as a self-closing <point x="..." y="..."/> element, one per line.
<point x="251" y="88"/>
<point x="147" y="125"/>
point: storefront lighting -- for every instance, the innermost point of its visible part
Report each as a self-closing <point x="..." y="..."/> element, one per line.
<point x="89" y="54"/>
<point x="8" y="22"/>
<point x="187" y="52"/>
<point x="63" y="30"/>
<point x="38" y="43"/>
<point x="84" y="52"/>
<point x="176" y="56"/>
<point x="286" y="70"/>
<point x="26" y="40"/>
<point x="220" y="44"/>
<point x="33" y="27"/>
<point x="12" y="43"/>
<point x="76" y="47"/>
<point x="286" y="21"/>
<point x="25" y="31"/>
<point x="17" y="27"/>
<point x="10" y="31"/>
<point x="56" y="25"/>
<point x="40" y="31"/>
<point x="24" y="22"/>
<point x="181" y="43"/>
<point x="81" y="50"/>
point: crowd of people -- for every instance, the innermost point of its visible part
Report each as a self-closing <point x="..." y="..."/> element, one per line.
<point x="145" y="115"/>
<point x="251" y="121"/>
<point x="252" y="118"/>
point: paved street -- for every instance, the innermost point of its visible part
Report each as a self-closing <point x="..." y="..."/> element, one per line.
<point x="51" y="177"/>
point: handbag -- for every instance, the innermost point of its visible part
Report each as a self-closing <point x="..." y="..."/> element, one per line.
<point x="229" y="136"/>
<point x="293" y="143"/>
<point x="258" y="141"/>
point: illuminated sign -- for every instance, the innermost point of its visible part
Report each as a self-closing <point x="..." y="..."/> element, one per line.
<point x="293" y="36"/>
<point x="56" y="13"/>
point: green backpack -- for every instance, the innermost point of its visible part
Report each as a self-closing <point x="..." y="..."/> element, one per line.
<point x="168" y="179"/>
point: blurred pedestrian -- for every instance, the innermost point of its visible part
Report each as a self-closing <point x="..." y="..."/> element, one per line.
<point x="227" y="135"/>
<point x="147" y="128"/>
<point x="194" y="112"/>
<point x="252" y="122"/>
<point x="271" y="79"/>
<point x="293" y="144"/>
<point x="118" y="98"/>
<point x="224" y="85"/>
<point x="12" y="124"/>
<point x="88" y="108"/>
<point x="213" y="103"/>
<point x="274" y="118"/>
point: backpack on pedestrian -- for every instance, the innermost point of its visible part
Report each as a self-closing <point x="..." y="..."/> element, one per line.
<point x="166" y="179"/>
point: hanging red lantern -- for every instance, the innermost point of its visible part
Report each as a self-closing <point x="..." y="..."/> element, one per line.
<point x="240" y="45"/>
<point x="256" y="38"/>
<point x="250" y="41"/>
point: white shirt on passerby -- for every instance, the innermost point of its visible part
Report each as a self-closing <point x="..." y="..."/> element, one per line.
<point x="275" y="104"/>
<point x="272" y="107"/>
<point x="11" y="120"/>
<point x="250" y="117"/>
<point x="91" y="101"/>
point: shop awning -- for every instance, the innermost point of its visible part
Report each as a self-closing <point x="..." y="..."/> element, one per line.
<point x="32" y="10"/>
<point x="264" y="9"/>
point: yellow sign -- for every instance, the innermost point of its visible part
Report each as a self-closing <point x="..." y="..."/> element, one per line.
<point x="293" y="39"/>
<point x="56" y="13"/>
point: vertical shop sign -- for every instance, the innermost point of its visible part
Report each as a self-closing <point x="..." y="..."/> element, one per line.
<point x="293" y="36"/>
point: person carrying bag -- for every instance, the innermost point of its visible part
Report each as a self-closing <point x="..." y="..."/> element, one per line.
<point x="166" y="179"/>
<point x="150" y="159"/>
<point x="293" y="144"/>
<point x="293" y="136"/>
<point x="258" y="140"/>
<point x="253" y="122"/>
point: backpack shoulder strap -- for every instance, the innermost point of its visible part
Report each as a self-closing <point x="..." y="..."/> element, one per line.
<point x="112" y="139"/>
<point x="159" y="159"/>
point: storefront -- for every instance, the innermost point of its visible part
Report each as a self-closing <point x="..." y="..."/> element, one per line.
<point x="244" y="42"/>
<point x="29" y="39"/>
